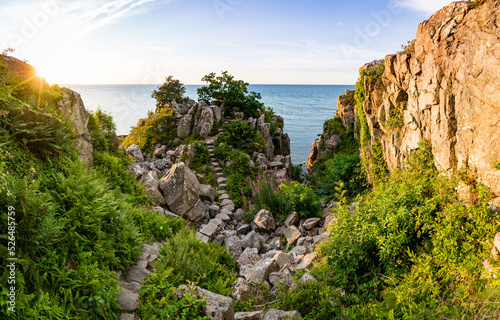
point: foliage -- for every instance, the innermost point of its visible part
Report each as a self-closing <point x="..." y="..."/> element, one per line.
<point x="171" y="90"/>
<point x="396" y="119"/>
<point x="408" y="48"/>
<point x="166" y="304"/>
<point x="239" y="135"/>
<point x="297" y="173"/>
<point x="232" y="93"/>
<point x="266" y="194"/>
<point x="302" y="198"/>
<point x="101" y="128"/>
<point x="158" y="128"/>
<point x="374" y="166"/>
<point x="475" y="3"/>
<point x="496" y="165"/>
<point x="184" y="258"/>
<point x="342" y="167"/>
<point x="314" y="301"/>
<point x="238" y="188"/>
<point x="411" y="250"/>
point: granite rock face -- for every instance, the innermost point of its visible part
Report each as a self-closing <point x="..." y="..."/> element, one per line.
<point x="180" y="188"/>
<point x="445" y="91"/>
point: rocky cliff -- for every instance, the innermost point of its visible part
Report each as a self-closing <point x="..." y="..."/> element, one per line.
<point x="443" y="90"/>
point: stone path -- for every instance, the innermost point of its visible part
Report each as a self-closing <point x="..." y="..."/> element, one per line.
<point x="131" y="281"/>
<point x="227" y="207"/>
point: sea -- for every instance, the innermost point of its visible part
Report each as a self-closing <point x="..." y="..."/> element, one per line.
<point x="303" y="107"/>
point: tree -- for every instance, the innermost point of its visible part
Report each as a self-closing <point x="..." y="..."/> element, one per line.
<point x="171" y="90"/>
<point x="233" y="93"/>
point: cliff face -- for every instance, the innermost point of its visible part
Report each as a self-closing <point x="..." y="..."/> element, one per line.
<point x="446" y="92"/>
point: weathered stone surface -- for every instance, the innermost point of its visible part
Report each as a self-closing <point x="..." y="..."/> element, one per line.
<point x="206" y="122"/>
<point x="180" y="188"/>
<point x="264" y="220"/>
<point x="127" y="316"/>
<point x="282" y="315"/>
<point x="292" y="234"/>
<point x="306" y="261"/>
<point x="218" y="307"/>
<point x="223" y="216"/>
<point x="133" y="287"/>
<point x="71" y="105"/>
<point x="292" y="219"/>
<point x="283" y="258"/>
<point x="149" y="252"/>
<point x="136" y="153"/>
<point x="207" y="192"/>
<point x="249" y="256"/>
<point x="129" y="301"/>
<point x="298" y="251"/>
<point x="307" y="277"/>
<point x="184" y="126"/>
<point x="240" y="290"/>
<point x="252" y="240"/>
<point x="495" y="205"/>
<point x="210" y="229"/>
<point x="197" y="212"/>
<point x="256" y="315"/>
<point x="313" y="155"/>
<point x="234" y="247"/>
<point x="261" y="270"/>
<point x="243" y="229"/>
<point x="137" y="274"/>
<point x="311" y="223"/>
<point x="151" y="184"/>
<point x="216" y="112"/>
<point x="281" y="279"/>
<point x="202" y="237"/>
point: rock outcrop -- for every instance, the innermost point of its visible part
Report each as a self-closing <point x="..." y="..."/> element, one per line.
<point x="445" y="92"/>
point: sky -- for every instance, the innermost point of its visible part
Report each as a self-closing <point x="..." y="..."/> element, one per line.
<point x="259" y="41"/>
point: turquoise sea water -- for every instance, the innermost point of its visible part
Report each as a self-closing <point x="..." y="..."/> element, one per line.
<point x="304" y="107"/>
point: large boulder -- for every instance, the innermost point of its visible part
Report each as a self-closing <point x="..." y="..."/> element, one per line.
<point x="218" y="307"/>
<point x="197" y="212"/>
<point x="135" y="152"/>
<point x="206" y="122"/>
<point x="261" y="270"/>
<point x="180" y="188"/>
<point x="184" y="126"/>
<point x="264" y="220"/>
<point x="151" y="183"/>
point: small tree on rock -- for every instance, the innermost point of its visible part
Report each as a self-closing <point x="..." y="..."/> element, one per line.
<point x="233" y="93"/>
<point x="171" y="90"/>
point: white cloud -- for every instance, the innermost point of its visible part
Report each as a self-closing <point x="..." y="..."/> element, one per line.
<point x="424" y="6"/>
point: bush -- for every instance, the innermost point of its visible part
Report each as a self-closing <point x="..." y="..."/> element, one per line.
<point x="171" y="90"/>
<point x="302" y="198"/>
<point x="233" y="94"/>
<point x="239" y="135"/>
<point x="266" y="194"/>
<point x="158" y="128"/>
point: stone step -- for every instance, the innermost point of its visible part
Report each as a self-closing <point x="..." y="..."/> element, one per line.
<point x="214" y="164"/>
<point x="224" y="196"/>
<point x="218" y="169"/>
<point x="219" y="174"/>
<point x="221" y="180"/>
<point x="222" y="185"/>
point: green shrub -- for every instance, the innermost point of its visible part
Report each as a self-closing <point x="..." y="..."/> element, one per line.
<point x="171" y="90"/>
<point x="233" y="94"/>
<point x="297" y="173"/>
<point x="302" y="198"/>
<point x="238" y="188"/>
<point x="239" y="135"/>
<point x="159" y="128"/>
<point x="266" y="194"/>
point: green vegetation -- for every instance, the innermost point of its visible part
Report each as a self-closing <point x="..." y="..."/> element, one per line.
<point x="410" y="251"/>
<point x="339" y="172"/>
<point x="76" y="225"/>
<point x="233" y="94"/>
<point x="374" y="165"/>
<point x="171" y="90"/>
<point x="201" y="164"/>
<point x="157" y="128"/>
<point x="475" y="3"/>
<point x="408" y="48"/>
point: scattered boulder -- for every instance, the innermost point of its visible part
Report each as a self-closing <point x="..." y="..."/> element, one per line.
<point x="283" y="259"/>
<point x="256" y="315"/>
<point x="129" y="301"/>
<point x="135" y="152"/>
<point x="249" y="256"/>
<point x="234" y="246"/>
<point x="264" y="220"/>
<point x="218" y="307"/>
<point x="282" y="315"/>
<point x="307" y="277"/>
<point x="180" y="188"/>
<point x="292" y="234"/>
<point x="311" y="223"/>
<point x="261" y="270"/>
<point x="206" y="122"/>
<point x="281" y="279"/>
<point x="207" y="192"/>
<point x="184" y="126"/>
<point x="292" y="219"/>
<point x="197" y="212"/>
<point x="240" y="290"/>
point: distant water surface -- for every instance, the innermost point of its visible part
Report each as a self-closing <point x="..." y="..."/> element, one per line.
<point x="303" y="107"/>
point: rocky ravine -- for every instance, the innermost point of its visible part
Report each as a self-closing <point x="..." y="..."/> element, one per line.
<point x="447" y="91"/>
<point x="257" y="246"/>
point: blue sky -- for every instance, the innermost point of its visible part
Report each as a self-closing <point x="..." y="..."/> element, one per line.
<point x="261" y="42"/>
